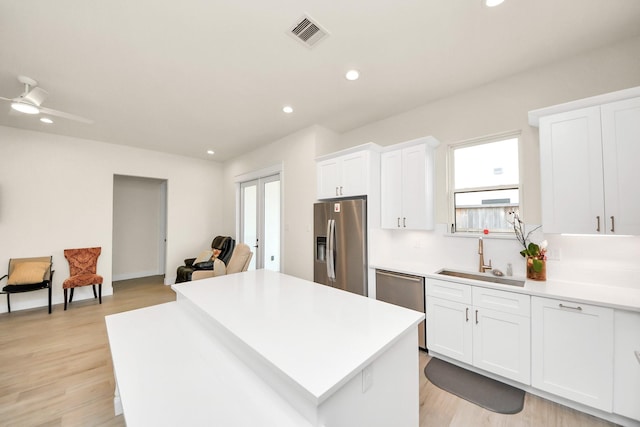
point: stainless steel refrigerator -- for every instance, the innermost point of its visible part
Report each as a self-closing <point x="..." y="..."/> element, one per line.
<point x="340" y="238"/>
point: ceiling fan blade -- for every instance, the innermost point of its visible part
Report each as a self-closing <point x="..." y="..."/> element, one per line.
<point x="64" y="115"/>
<point x="13" y="111"/>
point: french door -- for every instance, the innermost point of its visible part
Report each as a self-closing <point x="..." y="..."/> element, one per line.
<point x="260" y="221"/>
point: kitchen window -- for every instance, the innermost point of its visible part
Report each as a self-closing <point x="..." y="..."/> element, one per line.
<point x="485" y="184"/>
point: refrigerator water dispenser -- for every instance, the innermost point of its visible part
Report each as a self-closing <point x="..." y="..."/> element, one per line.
<point x="321" y="248"/>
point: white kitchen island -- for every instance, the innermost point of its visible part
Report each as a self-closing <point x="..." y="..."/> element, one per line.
<point x="263" y="348"/>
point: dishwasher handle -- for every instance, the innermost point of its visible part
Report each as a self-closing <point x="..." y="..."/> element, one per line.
<point x="403" y="276"/>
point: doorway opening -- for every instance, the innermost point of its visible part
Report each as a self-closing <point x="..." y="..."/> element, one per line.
<point x="139" y="227"/>
<point x="260" y="219"/>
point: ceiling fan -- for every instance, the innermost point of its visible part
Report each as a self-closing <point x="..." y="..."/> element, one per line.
<point x="29" y="102"/>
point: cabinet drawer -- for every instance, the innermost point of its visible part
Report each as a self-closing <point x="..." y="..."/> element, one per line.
<point x="449" y="290"/>
<point x="505" y="302"/>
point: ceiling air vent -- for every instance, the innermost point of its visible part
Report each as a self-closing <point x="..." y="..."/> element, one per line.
<point x="308" y="32"/>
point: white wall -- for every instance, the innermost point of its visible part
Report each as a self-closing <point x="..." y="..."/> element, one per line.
<point x="57" y="192"/>
<point x="500" y="107"/>
<point x="139" y="206"/>
<point x="494" y="108"/>
<point x="296" y="153"/>
<point x="603" y="260"/>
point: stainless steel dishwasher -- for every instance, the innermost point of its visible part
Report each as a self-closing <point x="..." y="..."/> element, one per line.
<point x="404" y="290"/>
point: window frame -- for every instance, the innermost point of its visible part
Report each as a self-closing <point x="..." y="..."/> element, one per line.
<point x="451" y="190"/>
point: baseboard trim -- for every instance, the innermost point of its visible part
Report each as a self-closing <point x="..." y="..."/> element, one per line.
<point x="135" y="275"/>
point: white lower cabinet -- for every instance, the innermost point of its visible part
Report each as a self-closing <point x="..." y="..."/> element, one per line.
<point x="449" y="331"/>
<point x="486" y="328"/>
<point x="572" y="351"/>
<point x="626" y="371"/>
<point x="502" y="333"/>
<point x="581" y="352"/>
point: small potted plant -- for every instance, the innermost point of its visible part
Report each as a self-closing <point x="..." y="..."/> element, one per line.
<point x="536" y="255"/>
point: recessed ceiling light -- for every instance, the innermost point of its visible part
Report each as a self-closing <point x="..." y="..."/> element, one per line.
<point x="352" y="75"/>
<point x="287" y="109"/>
<point x="211" y="152"/>
<point x="46" y="120"/>
<point x="492" y="3"/>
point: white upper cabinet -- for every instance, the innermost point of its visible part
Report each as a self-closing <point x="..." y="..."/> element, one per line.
<point x="588" y="167"/>
<point x="391" y="188"/>
<point x="571" y="172"/>
<point x="347" y="173"/>
<point x="329" y="178"/>
<point x="407" y="185"/>
<point x="621" y="153"/>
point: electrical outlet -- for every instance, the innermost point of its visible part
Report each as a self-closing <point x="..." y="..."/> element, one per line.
<point x="367" y="378"/>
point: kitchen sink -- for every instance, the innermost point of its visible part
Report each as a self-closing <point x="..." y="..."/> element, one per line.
<point x="482" y="277"/>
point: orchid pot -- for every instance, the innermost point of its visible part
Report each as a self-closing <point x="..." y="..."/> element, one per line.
<point x="536" y="268"/>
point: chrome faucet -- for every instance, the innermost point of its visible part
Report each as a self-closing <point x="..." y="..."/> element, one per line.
<point x="483" y="268"/>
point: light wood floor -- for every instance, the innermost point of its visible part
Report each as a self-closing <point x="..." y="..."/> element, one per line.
<point x="440" y="408"/>
<point x="56" y="370"/>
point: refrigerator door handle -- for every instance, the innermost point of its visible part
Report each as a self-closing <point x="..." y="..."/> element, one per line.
<point x="331" y="235"/>
<point x="329" y="256"/>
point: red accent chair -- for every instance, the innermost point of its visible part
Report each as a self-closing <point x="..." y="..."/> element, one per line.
<point x="82" y="267"/>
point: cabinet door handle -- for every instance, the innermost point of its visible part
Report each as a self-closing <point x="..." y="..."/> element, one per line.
<point x="467" y="315"/>
<point x="476" y="317"/>
<point x="398" y="222"/>
<point x="637" y="353"/>
<point x="404" y="222"/>
<point x="598" y="224"/>
<point x="578" y="308"/>
<point x="341" y="190"/>
<point x="337" y="191"/>
<point x="613" y="225"/>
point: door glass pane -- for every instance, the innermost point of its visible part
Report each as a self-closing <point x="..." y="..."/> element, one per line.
<point x="260" y="221"/>
<point x="271" y="243"/>
<point x="250" y="218"/>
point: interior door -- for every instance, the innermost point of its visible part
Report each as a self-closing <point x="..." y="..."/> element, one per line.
<point x="249" y="218"/>
<point x="260" y="221"/>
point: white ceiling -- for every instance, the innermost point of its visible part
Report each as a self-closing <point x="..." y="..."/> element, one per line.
<point x="184" y="77"/>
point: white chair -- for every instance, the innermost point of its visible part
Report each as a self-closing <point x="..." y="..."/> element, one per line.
<point x="239" y="262"/>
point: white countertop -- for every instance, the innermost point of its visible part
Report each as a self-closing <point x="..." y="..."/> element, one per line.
<point x="171" y="372"/>
<point x="586" y="293"/>
<point x="317" y="336"/>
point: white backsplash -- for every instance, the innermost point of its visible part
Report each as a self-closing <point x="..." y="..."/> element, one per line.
<point x="605" y="260"/>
